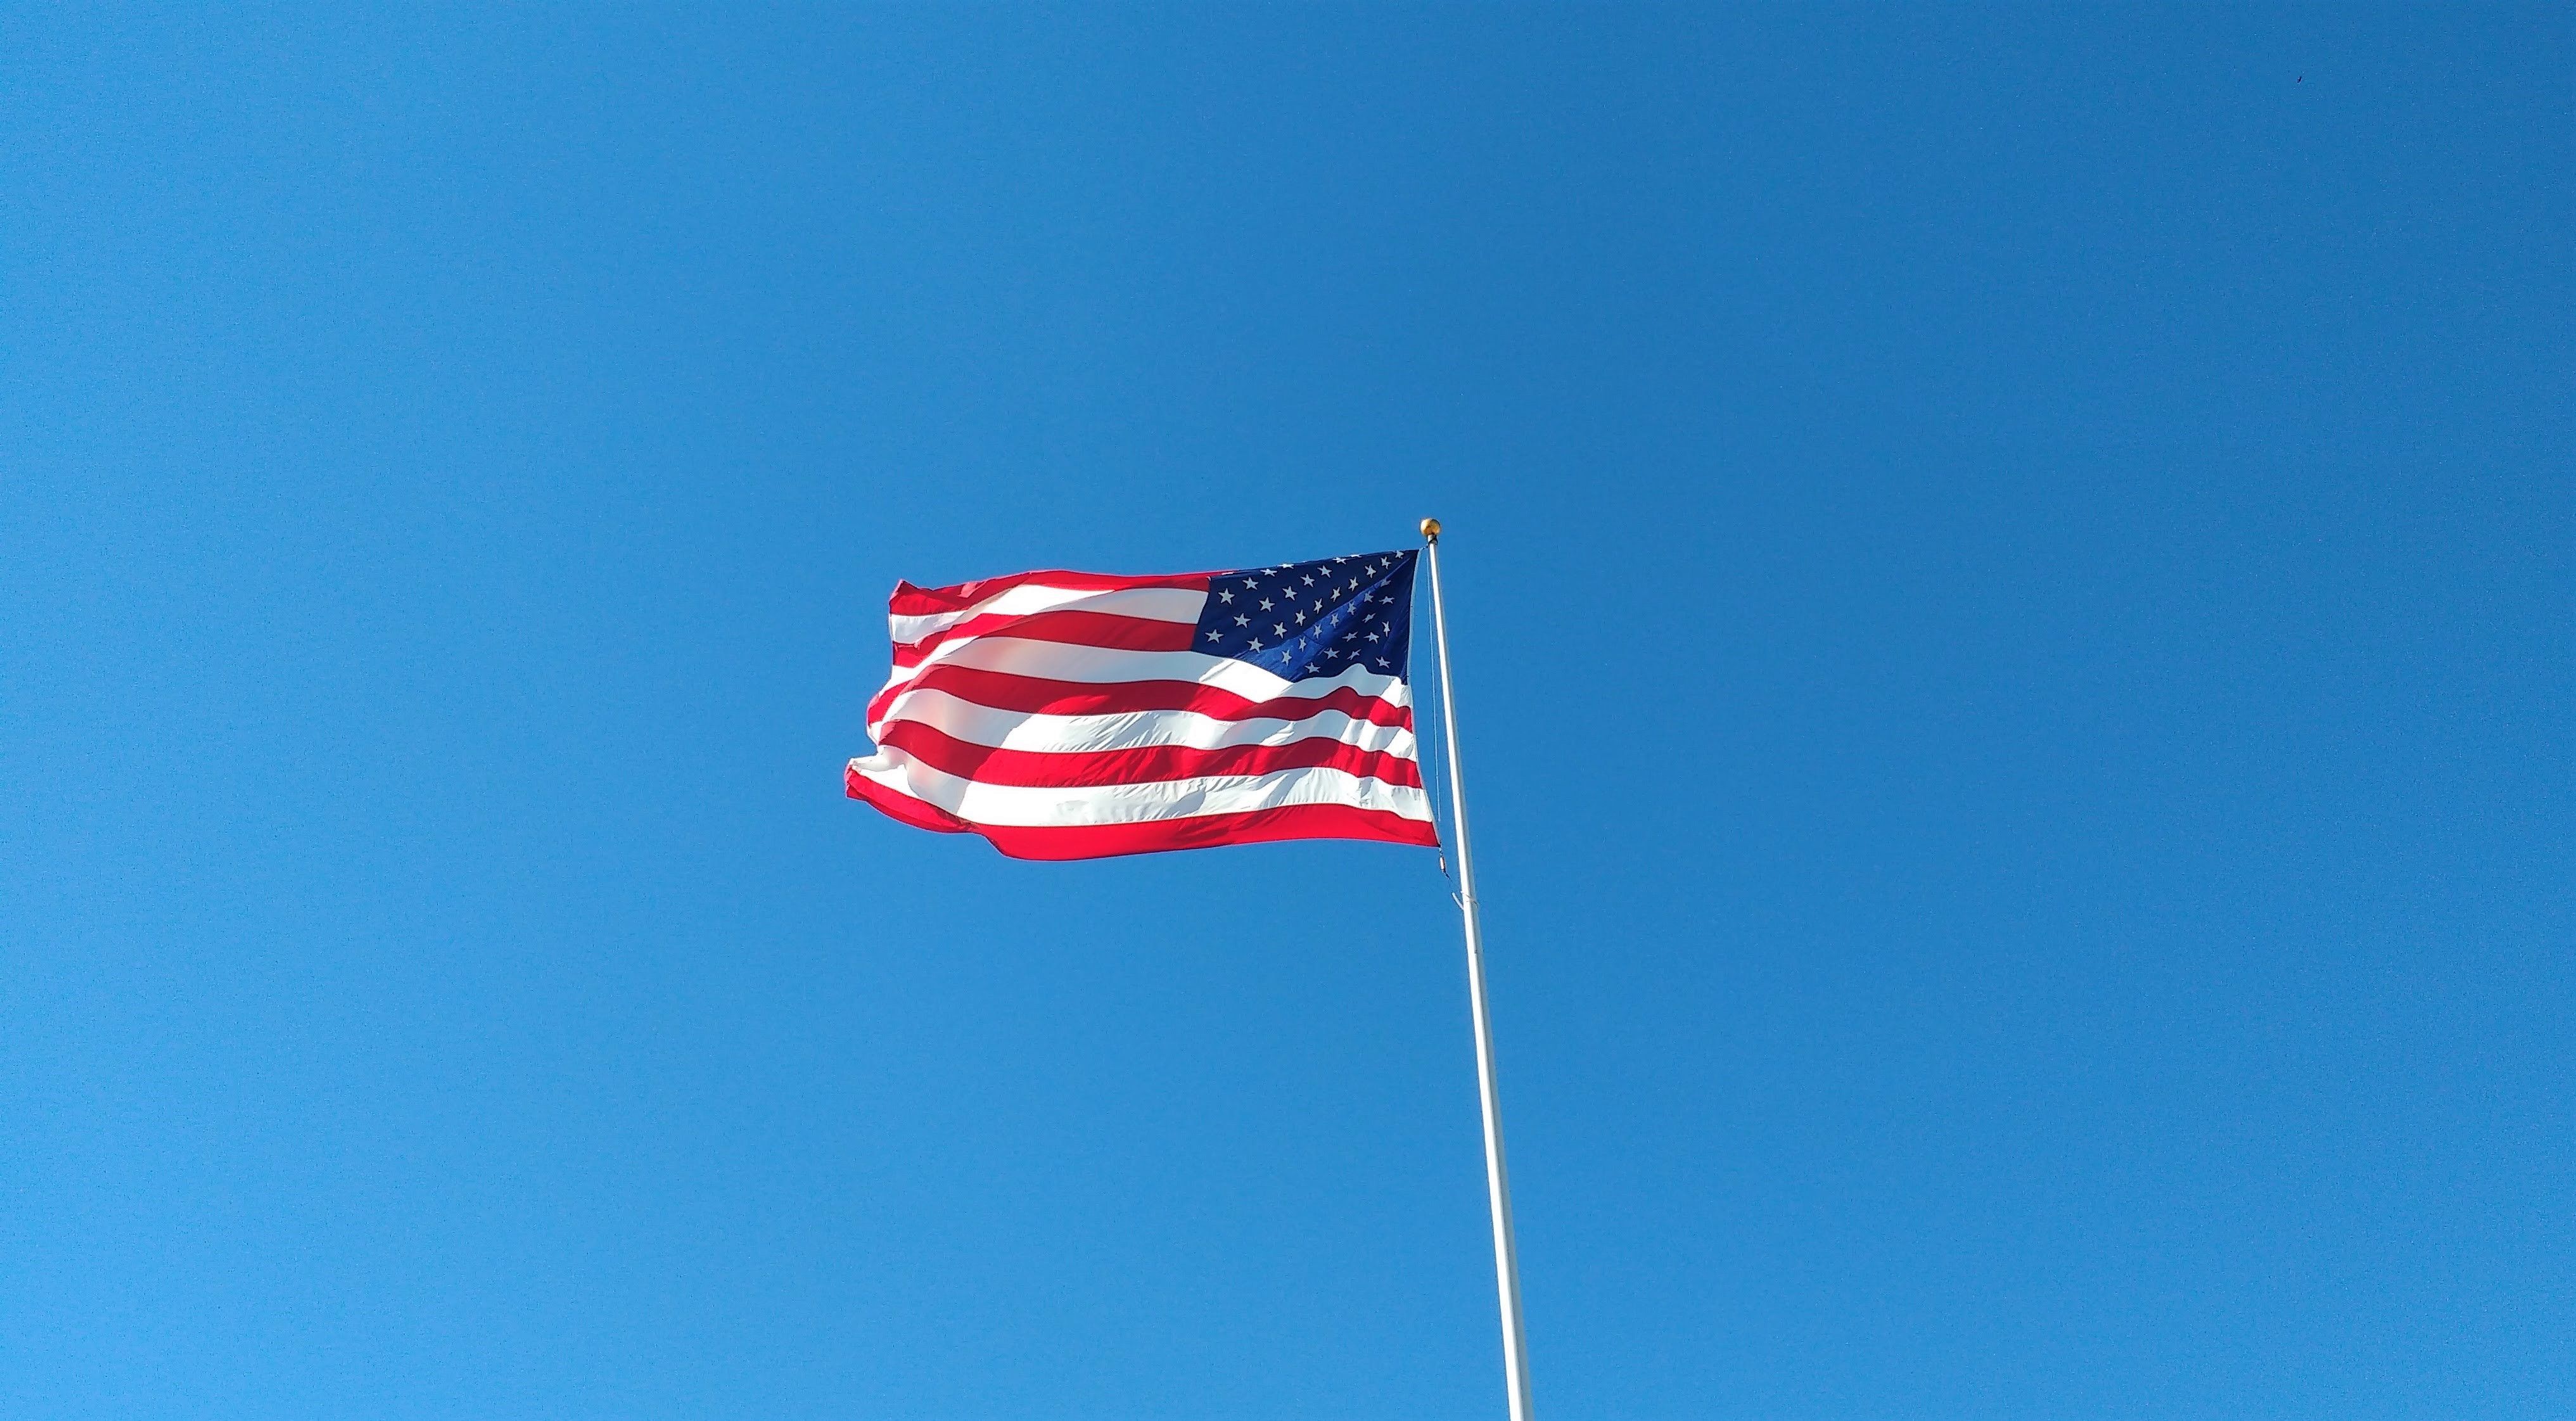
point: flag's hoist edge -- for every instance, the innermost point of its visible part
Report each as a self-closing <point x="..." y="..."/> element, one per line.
<point x="1067" y="715"/>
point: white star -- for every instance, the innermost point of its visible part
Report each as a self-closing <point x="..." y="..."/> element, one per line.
<point x="1212" y="636"/>
<point x="1301" y="619"/>
<point x="1247" y="621"/>
<point x="1310" y="579"/>
<point x="1265" y="604"/>
<point x="1381" y="661"/>
<point x="1278" y="629"/>
<point x="1319" y="606"/>
<point x="1225" y="596"/>
<point x="1341" y="559"/>
<point x="1256" y="645"/>
<point x="1247" y="582"/>
<point x="1372" y="636"/>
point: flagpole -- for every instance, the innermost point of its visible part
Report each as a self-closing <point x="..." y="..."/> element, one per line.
<point x="1498" y="1191"/>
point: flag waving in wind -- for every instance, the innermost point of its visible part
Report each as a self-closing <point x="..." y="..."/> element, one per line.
<point x="1069" y="715"/>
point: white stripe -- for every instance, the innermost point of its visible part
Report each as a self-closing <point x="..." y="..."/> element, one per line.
<point x="1102" y="666"/>
<point x="1021" y="806"/>
<point x="1019" y="730"/>
<point x="1159" y="604"/>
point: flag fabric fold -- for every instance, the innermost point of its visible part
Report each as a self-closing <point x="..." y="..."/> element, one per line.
<point x="1068" y="715"/>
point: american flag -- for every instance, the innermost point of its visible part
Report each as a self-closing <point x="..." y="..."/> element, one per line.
<point x="1070" y="715"/>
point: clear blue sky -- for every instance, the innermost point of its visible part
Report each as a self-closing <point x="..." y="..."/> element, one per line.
<point x="2015" y="597"/>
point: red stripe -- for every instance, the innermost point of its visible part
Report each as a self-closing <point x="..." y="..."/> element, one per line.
<point x="1143" y="764"/>
<point x="1036" y="695"/>
<point x="1201" y="831"/>
<point x="1071" y="628"/>
<point x="903" y="806"/>
<point x="911" y="601"/>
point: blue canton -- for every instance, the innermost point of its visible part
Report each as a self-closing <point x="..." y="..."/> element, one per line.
<point x="1303" y="620"/>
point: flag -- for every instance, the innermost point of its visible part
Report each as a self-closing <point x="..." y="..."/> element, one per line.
<point x="1070" y="715"/>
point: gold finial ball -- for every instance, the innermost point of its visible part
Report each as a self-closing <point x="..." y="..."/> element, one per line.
<point x="1431" y="529"/>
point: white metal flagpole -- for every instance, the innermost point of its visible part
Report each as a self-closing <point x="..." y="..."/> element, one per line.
<point x="1498" y="1190"/>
